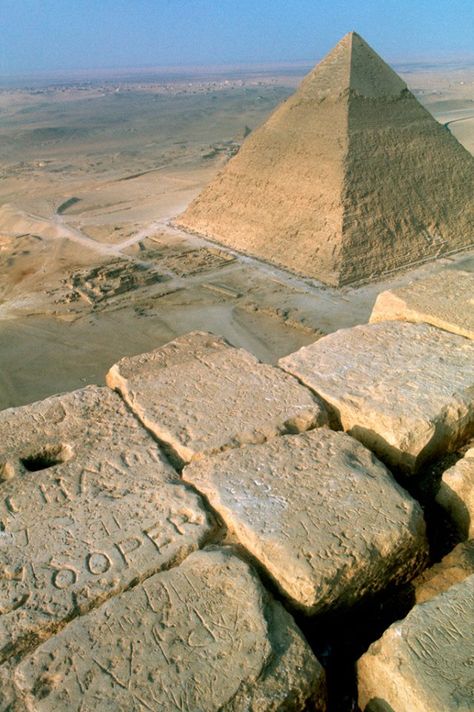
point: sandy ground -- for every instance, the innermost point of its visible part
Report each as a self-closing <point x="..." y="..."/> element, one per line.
<point x="91" y="270"/>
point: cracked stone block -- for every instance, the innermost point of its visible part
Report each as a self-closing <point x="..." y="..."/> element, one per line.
<point x="88" y="505"/>
<point x="453" y="568"/>
<point x="456" y="494"/>
<point x="318" y="513"/>
<point x="202" y="636"/>
<point x="444" y="300"/>
<point x="423" y="663"/>
<point x="198" y="394"/>
<point x="404" y="390"/>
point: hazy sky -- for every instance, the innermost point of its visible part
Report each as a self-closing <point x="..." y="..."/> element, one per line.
<point x="39" y="35"/>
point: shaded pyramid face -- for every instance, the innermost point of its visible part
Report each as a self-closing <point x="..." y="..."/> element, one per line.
<point x="349" y="179"/>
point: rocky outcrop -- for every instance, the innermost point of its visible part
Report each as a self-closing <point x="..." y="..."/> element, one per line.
<point x="203" y="636"/>
<point x="424" y="662"/>
<point x="88" y="506"/>
<point x="318" y="513"/>
<point x="443" y="300"/>
<point x="348" y="179"/>
<point x="404" y="390"/>
<point x="198" y="395"/>
<point x="456" y="494"/>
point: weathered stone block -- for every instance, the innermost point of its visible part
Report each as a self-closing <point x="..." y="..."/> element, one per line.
<point x="202" y="636"/>
<point x="443" y="299"/>
<point x="453" y="568"/>
<point x="88" y="505"/>
<point x="424" y="662"/>
<point x="404" y="390"/>
<point x="456" y="494"/>
<point x="198" y="394"/>
<point x="318" y="513"/>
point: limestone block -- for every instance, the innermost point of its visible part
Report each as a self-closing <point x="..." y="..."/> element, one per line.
<point x="456" y="494"/>
<point x="423" y="663"/>
<point x="198" y="394"/>
<point x="88" y="505"/>
<point x="404" y="390"/>
<point x="444" y="299"/>
<point x="318" y="513"/>
<point x="453" y="568"/>
<point x="203" y="636"/>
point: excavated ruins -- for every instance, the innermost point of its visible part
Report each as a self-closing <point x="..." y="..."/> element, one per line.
<point x="349" y="179"/>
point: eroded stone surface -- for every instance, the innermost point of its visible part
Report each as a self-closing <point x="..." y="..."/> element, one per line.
<point x="453" y="568"/>
<point x="456" y="494"/>
<point x="444" y="299"/>
<point x="424" y="662"/>
<point x="198" y="394"/>
<point x="404" y="390"/>
<point x="319" y="513"/>
<point x="202" y="636"/>
<point x="88" y="504"/>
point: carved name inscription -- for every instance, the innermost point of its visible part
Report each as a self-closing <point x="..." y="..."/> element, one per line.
<point x="425" y="661"/>
<point x="76" y="532"/>
<point x="164" y="644"/>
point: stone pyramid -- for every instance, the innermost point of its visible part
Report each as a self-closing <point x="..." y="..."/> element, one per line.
<point x="348" y="179"/>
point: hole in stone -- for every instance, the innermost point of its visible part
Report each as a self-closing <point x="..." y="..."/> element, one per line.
<point x="48" y="456"/>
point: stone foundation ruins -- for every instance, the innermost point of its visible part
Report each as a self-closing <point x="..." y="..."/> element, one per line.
<point x="173" y="541"/>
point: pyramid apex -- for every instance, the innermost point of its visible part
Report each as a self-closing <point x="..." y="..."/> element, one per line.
<point x="348" y="37"/>
<point x="370" y="76"/>
<point x="352" y="65"/>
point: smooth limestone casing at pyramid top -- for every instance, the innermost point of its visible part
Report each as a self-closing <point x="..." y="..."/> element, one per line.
<point x="348" y="179"/>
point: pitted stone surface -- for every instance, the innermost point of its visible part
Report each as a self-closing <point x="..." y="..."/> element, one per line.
<point x="88" y="505"/>
<point x="404" y="390"/>
<point x="198" y="394"/>
<point x="445" y="299"/>
<point x="202" y="636"/>
<point x="456" y="494"/>
<point x="424" y="662"/>
<point x="318" y="513"/>
<point x="453" y="568"/>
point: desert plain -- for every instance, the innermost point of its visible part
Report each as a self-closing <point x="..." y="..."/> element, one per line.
<point x="93" y="172"/>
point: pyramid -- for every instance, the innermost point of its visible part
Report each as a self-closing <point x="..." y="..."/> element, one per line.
<point x="348" y="179"/>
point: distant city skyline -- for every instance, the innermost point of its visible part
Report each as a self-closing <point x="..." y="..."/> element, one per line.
<point x="67" y="35"/>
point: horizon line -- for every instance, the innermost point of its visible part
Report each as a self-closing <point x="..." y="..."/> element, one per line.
<point x="222" y="67"/>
